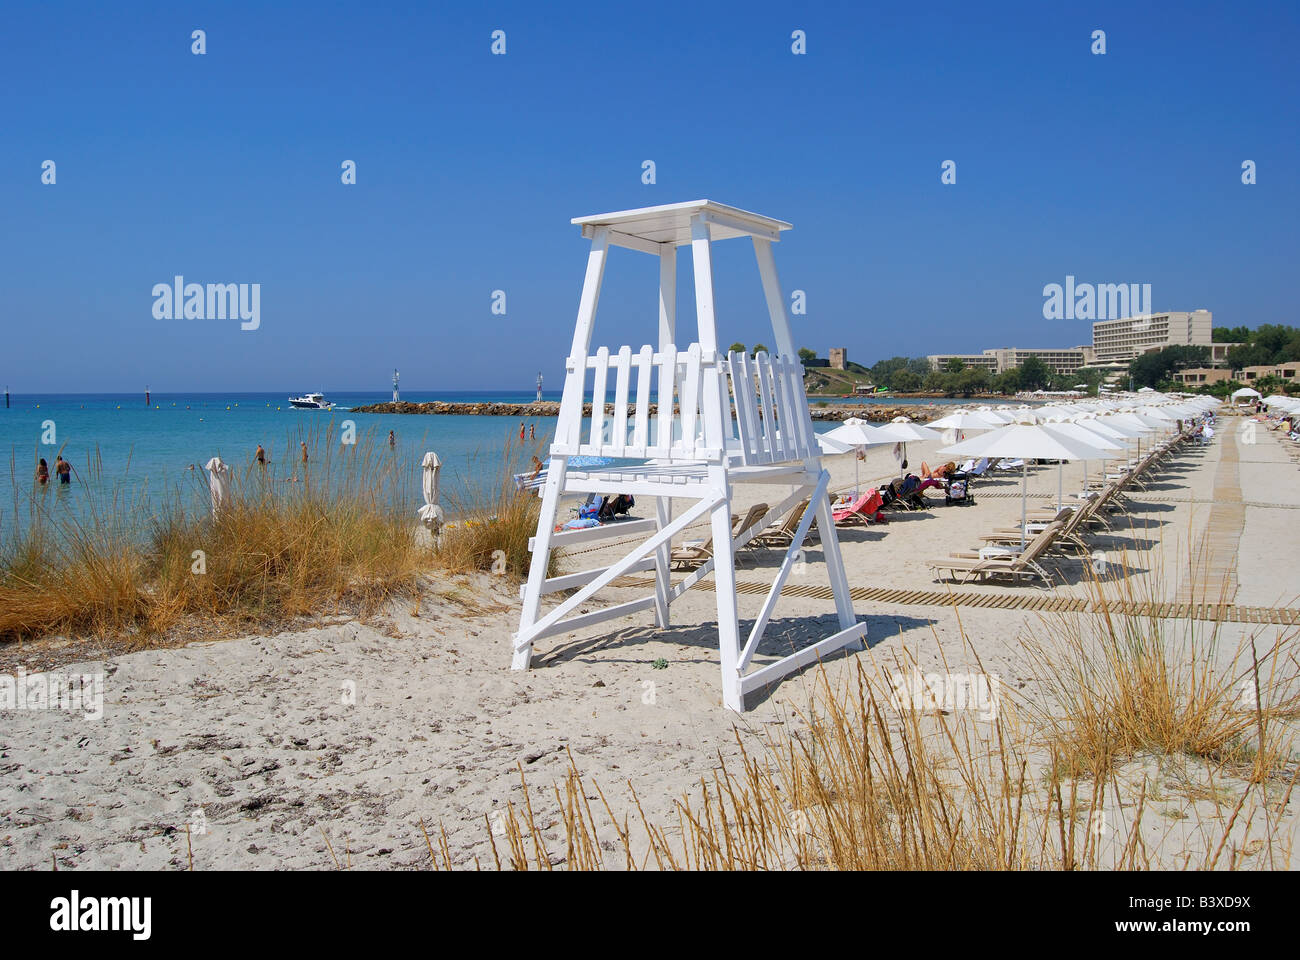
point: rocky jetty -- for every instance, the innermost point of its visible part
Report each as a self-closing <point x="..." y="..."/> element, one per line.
<point x="870" y="411"/>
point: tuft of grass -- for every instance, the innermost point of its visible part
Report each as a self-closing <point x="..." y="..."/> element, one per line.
<point x="492" y="526"/>
<point x="1125" y="680"/>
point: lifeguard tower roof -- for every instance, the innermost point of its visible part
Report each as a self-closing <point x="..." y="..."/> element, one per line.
<point x="671" y="223"/>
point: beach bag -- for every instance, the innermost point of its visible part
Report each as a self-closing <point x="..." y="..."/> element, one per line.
<point x="957" y="490"/>
<point x="591" y="511"/>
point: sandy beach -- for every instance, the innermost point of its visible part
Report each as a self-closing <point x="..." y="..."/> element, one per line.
<point x="328" y="746"/>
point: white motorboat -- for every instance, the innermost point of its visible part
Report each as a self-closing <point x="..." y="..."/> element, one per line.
<point x="311" y="401"/>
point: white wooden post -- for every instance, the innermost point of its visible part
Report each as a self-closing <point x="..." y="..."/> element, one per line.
<point x="568" y="429"/>
<point x="774" y="297"/>
<point x="664" y="505"/>
<point x="714" y="407"/>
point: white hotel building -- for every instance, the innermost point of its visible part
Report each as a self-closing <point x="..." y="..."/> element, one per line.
<point x="1119" y="341"/>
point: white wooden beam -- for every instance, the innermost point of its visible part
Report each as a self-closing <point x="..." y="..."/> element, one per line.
<point x="741" y="226"/>
<point x="667" y="295"/>
<point x="570" y="580"/>
<point x="571" y="538"/>
<point x="823" y="648"/>
<point x="775" y="299"/>
<point x="596" y="616"/>
<point x="590" y="296"/>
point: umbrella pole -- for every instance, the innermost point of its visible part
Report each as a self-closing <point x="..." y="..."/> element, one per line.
<point x="1024" y="494"/>
<point x="1060" y="485"/>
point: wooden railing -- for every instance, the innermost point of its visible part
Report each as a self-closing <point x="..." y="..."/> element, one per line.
<point x="773" y="424"/>
<point x="767" y="423"/>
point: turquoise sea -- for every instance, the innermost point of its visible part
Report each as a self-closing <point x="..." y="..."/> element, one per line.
<point x="121" y="448"/>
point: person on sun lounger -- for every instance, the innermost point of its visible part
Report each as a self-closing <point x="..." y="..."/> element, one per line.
<point x="939" y="472"/>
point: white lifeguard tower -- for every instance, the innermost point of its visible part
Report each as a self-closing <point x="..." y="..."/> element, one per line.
<point x="692" y="448"/>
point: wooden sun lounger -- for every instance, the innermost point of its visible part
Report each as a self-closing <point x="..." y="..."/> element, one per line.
<point x="694" y="553"/>
<point x="1014" y="565"/>
<point x="781" y="533"/>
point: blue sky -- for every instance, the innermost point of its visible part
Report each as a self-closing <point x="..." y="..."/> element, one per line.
<point x="226" y="168"/>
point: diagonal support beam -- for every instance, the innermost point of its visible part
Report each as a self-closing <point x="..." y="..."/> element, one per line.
<point x="616" y="570"/>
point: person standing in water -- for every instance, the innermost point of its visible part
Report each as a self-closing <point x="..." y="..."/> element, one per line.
<point x="63" y="469"/>
<point x="261" y="456"/>
<point x="392" y="439"/>
<point x="521" y="429"/>
<point x="42" y="472"/>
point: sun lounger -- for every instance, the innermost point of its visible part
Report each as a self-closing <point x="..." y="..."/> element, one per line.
<point x="691" y="554"/>
<point x="694" y="552"/>
<point x="781" y="533"/>
<point x="1009" y="564"/>
<point x="860" y="511"/>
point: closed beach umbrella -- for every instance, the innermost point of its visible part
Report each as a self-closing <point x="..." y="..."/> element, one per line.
<point x="431" y="513"/>
<point x="1026" y="441"/>
<point x="218" y="483"/>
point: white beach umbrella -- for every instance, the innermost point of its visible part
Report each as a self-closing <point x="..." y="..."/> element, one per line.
<point x="1089" y="437"/>
<point x="1157" y="413"/>
<point x="831" y="447"/>
<point x="856" y="434"/>
<point x="903" y="429"/>
<point x="1132" y="419"/>
<point x="997" y="416"/>
<point x="1026" y="441"/>
<point x="1115" y="431"/>
<point x="431" y="513"/>
<point x="218" y="483"/>
<point x="964" y="420"/>
<point x="1245" y="392"/>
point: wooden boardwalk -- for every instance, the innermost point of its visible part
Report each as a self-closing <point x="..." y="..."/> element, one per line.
<point x="1040" y="602"/>
<point x="1214" y="567"/>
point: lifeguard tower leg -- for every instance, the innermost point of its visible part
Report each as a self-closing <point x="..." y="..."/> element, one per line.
<point x="724" y="585"/>
<point x="835" y="567"/>
<point x="541" y="559"/>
